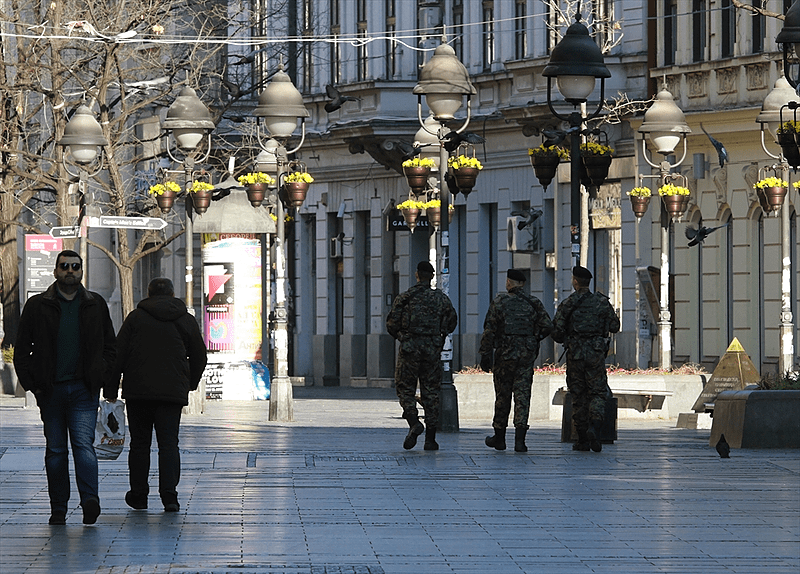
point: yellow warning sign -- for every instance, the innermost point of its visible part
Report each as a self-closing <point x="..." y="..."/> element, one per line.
<point x="733" y="373"/>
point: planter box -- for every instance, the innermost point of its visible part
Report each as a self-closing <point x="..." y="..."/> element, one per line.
<point x="668" y="395"/>
<point x="757" y="419"/>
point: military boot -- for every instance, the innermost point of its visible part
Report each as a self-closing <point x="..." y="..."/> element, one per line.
<point x="519" y="439"/>
<point x="583" y="442"/>
<point x="415" y="429"/>
<point x="430" y="439"/>
<point x="594" y="435"/>
<point x="498" y="441"/>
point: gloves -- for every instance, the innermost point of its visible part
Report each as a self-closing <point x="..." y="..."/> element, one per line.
<point x="486" y="362"/>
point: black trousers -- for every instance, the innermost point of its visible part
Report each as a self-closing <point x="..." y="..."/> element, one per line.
<point x="165" y="418"/>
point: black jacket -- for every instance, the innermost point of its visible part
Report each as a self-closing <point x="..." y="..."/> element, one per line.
<point x="35" y="350"/>
<point x="160" y="353"/>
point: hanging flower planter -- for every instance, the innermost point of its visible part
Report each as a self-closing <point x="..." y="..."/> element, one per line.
<point x="201" y="195"/>
<point x="411" y="209"/>
<point x="165" y="194"/>
<point x="595" y="162"/>
<point x="296" y="187"/>
<point x="417" y="170"/>
<point x="545" y="162"/>
<point x="675" y="198"/>
<point x="465" y="171"/>
<point x="771" y="192"/>
<point x="640" y="200"/>
<point x="787" y="139"/>
<point x="256" y="185"/>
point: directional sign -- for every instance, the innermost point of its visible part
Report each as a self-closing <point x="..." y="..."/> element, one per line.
<point x="127" y="222"/>
<point x="62" y="232"/>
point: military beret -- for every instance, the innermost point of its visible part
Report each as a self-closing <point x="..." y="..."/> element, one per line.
<point x="515" y="275"/>
<point x="581" y="272"/>
<point x="425" y="267"/>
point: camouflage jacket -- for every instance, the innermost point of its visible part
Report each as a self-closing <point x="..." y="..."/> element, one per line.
<point x="514" y="314"/>
<point x="421" y="311"/>
<point x="584" y="316"/>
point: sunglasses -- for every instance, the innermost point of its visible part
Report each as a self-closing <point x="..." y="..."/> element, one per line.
<point x="65" y="266"/>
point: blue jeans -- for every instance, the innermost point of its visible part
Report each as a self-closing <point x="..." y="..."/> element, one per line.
<point x="70" y="409"/>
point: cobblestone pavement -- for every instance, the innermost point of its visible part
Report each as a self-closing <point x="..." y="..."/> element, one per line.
<point x="334" y="492"/>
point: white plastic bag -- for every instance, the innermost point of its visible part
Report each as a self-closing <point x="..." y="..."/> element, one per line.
<point x="109" y="432"/>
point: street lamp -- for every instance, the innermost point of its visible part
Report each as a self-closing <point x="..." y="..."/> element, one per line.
<point x="444" y="81"/>
<point x="789" y="37"/>
<point x="280" y="106"/>
<point x="576" y="62"/>
<point x="189" y="121"/>
<point x="82" y="136"/>
<point x="770" y="118"/>
<point x="665" y="125"/>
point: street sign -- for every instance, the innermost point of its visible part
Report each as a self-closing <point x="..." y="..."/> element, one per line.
<point x="117" y="221"/>
<point x="64" y="232"/>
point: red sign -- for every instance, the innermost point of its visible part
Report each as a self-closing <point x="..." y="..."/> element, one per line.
<point x="43" y="243"/>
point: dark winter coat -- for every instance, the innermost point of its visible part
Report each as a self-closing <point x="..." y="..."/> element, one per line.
<point x="160" y="353"/>
<point x="35" y="349"/>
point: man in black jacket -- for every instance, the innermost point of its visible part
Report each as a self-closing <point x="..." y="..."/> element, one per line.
<point x="64" y="352"/>
<point x="161" y="356"/>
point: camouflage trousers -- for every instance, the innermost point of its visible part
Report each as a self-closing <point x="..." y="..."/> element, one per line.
<point x="588" y="385"/>
<point x="513" y="374"/>
<point x="420" y="359"/>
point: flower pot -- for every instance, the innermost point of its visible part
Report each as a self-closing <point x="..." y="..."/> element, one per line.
<point x="465" y="178"/>
<point x="639" y="205"/>
<point x="256" y="193"/>
<point x="410" y="215"/>
<point x="675" y="204"/>
<point x="544" y="167"/>
<point x="201" y="200"/>
<point x="594" y="169"/>
<point x="789" y="148"/>
<point x="417" y="178"/>
<point x="771" y="198"/>
<point x="296" y="192"/>
<point x="165" y="200"/>
<point x="434" y="215"/>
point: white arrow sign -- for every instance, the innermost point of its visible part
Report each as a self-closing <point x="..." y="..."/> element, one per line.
<point x="65" y="232"/>
<point x="117" y="221"/>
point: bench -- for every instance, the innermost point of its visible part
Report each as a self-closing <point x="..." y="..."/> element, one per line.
<point x="641" y="400"/>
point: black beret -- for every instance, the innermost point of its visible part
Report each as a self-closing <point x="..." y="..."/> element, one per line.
<point x="515" y="275"/>
<point x="425" y="267"/>
<point x="581" y="272"/>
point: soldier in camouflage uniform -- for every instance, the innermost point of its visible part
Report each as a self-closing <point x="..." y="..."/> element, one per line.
<point x="583" y="323"/>
<point x="421" y="318"/>
<point x="514" y="325"/>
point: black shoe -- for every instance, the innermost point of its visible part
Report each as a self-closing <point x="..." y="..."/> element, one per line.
<point x="581" y="446"/>
<point x="172" y="507"/>
<point x="430" y="440"/>
<point x="91" y="510"/>
<point x="411" y="438"/>
<point x="498" y="441"/>
<point x="594" y="438"/>
<point x="135" y="502"/>
<point x="519" y="439"/>
<point x="57" y="518"/>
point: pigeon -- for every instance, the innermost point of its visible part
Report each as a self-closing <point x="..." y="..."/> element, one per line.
<point x="234" y="90"/>
<point x="721" y="151"/>
<point x="553" y="137"/>
<point x="455" y="139"/>
<point x="337" y="99"/>
<point x="723" y="448"/>
<point x="698" y="234"/>
<point x="113" y="425"/>
<point x="530" y="216"/>
<point x="248" y="59"/>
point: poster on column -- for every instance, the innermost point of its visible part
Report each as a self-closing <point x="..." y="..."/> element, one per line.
<point x="232" y="297"/>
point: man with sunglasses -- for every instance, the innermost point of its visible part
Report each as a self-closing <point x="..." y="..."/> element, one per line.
<point x="64" y="352"/>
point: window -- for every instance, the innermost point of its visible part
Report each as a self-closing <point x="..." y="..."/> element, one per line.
<point x="670" y="31"/>
<point x="728" y="28"/>
<point x="520" y="30"/>
<point x="488" y="34"/>
<point x="335" y="53"/>
<point x="758" y="23"/>
<point x="308" y="56"/>
<point x="362" y="62"/>
<point x="552" y="25"/>
<point x="699" y="30"/>
<point x="603" y="14"/>
<point x="391" y="46"/>
<point x="458" y="28"/>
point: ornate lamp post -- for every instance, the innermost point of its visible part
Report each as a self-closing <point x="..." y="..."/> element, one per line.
<point x="770" y="118"/>
<point x="189" y="122"/>
<point x="665" y="125"/>
<point x="82" y="136"/>
<point x="576" y="62"/>
<point x="444" y="81"/>
<point x="789" y="36"/>
<point x="280" y="106"/>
